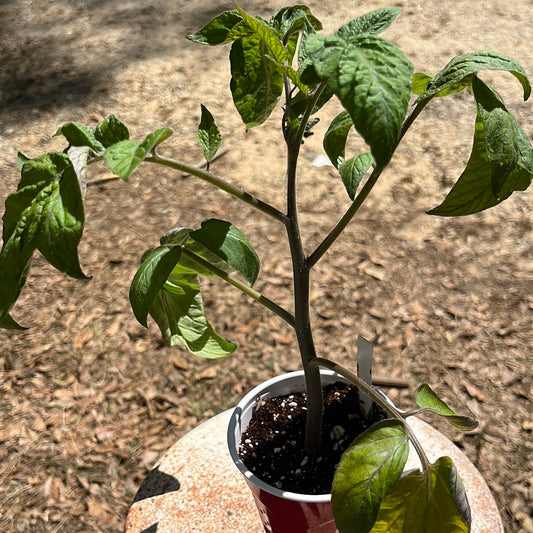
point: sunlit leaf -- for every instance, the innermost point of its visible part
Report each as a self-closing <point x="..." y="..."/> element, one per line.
<point x="501" y="161"/>
<point x="182" y="321"/>
<point x="124" y="157"/>
<point x="415" y="505"/>
<point x="367" y="471"/>
<point x="460" y="71"/>
<point x="79" y="135"/>
<point x="426" y="398"/>
<point x="373" y="23"/>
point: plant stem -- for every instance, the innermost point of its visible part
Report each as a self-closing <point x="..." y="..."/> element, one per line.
<point x="301" y="271"/>
<point x="381" y="400"/>
<point x="246" y="289"/>
<point x="221" y="184"/>
<point x="332" y="236"/>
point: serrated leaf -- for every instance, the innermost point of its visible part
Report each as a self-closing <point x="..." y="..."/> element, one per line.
<point x="372" y="23"/>
<point x="501" y="161"/>
<point x="416" y="506"/>
<point x="229" y="244"/>
<point x="79" y="135"/>
<point x="111" y="131"/>
<point x="125" y="156"/>
<point x="367" y="471"/>
<point x="353" y="170"/>
<point x="217" y="30"/>
<point x="209" y="136"/>
<point x="182" y="321"/>
<point x="269" y="37"/>
<point x="372" y="79"/>
<point x="289" y="20"/>
<point x="256" y="84"/>
<point x="335" y="137"/>
<point x="460" y="70"/>
<point x="426" y="398"/>
<point x="292" y="74"/>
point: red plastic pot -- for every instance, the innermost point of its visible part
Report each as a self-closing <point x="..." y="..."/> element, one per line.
<point x="280" y="511"/>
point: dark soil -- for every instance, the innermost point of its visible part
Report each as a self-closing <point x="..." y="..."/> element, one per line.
<point x="273" y="445"/>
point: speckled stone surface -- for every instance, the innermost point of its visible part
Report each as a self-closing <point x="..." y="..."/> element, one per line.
<point x="196" y="488"/>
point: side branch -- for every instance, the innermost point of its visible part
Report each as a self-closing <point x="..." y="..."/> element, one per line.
<point x="221" y="184"/>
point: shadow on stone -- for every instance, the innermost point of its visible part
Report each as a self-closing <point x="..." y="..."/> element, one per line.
<point x="156" y="484"/>
<point x="151" y="529"/>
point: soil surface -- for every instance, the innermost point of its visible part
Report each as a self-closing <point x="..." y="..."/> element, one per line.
<point x="273" y="444"/>
<point x="89" y="399"/>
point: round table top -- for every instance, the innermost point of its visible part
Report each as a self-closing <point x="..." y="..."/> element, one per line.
<point x="196" y="488"/>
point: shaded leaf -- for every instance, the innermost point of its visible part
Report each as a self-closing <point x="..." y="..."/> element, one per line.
<point x="335" y="137"/>
<point x="152" y="275"/>
<point x="426" y="398"/>
<point x="372" y="79"/>
<point x="111" y="131"/>
<point x="353" y="170"/>
<point x="229" y="243"/>
<point x="367" y="471"/>
<point x="217" y="30"/>
<point x="256" y="84"/>
<point x="209" y="136"/>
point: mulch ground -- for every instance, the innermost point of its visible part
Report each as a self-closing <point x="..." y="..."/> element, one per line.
<point x="89" y="399"/>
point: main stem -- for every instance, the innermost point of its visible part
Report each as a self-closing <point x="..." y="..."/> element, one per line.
<point x="301" y="282"/>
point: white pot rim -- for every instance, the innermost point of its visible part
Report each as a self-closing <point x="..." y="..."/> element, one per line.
<point x="234" y="431"/>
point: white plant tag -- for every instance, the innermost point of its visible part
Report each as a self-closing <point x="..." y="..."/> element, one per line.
<point x="364" y="370"/>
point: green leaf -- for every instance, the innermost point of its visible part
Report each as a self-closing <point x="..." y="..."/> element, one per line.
<point x="290" y="20"/>
<point x="421" y="82"/>
<point x="372" y="79"/>
<point x="209" y="136"/>
<point x="371" y="23"/>
<point x="460" y="71"/>
<point x="179" y="313"/>
<point x="336" y="136"/>
<point x="256" y="84"/>
<point x="217" y="30"/>
<point x="367" y="471"/>
<point x="21" y="159"/>
<point x="152" y="275"/>
<point x="111" y="131"/>
<point x="45" y="213"/>
<point x="501" y="161"/>
<point x="353" y="171"/>
<point x="124" y="157"/>
<point x="426" y="398"/>
<point x="269" y="37"/>
<point x="9" y="323"/>
<point x="416" y="506"/>
<point x="229" y="243"/>
<point x="79" y="135"/>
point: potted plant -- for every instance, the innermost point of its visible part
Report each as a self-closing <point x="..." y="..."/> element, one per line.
<point x="284" y="58"/>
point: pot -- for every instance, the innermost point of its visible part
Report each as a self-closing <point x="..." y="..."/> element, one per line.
<point x="281" y="511"/>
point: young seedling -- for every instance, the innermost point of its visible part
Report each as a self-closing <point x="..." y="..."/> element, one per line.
<point x="285" y="58"/>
